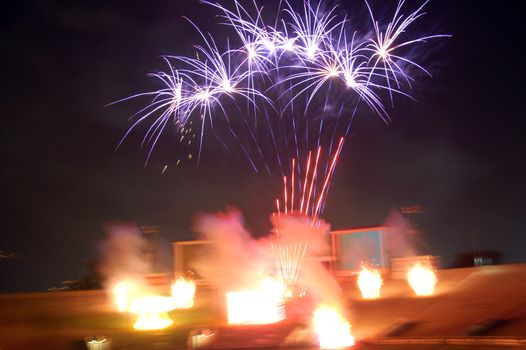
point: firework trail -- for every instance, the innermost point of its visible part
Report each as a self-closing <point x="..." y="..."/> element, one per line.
<point x="290" y="253"/>
<point x="306" y="190"/>
<point x="306" y="54"/>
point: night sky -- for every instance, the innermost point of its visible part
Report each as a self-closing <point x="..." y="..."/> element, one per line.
<point x="459" y="150"/>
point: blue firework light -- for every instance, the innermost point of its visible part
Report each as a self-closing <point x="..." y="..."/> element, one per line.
<point x="284" y="81"/>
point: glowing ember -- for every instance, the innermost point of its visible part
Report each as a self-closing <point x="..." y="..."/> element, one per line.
<point x="152" y="312"/>
<point x="334" y="332"/>
<point x="422" y="279"/>
<point x="152" y="321"/>
<point x="183" y="292"/>
<point x="263" y="305"/>
<point x="123" y="293"/>
<point x="370" y="282"/>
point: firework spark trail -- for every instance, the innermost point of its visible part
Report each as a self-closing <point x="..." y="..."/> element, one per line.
<point x="285" y="196"/>
<point x="327" y="178"/>
<point x="305" y="182"/>
<point x="317" y="49"/>
<point x="290" y="255"/>
<point x="292" y="185"/>
<point x="385" y="43"/>
<point x="306" y="209"/>
<point x="312" y="179"/>
<point x="289" y="259"/>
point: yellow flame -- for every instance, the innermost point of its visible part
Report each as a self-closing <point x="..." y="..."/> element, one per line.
<point x="370" y="283"/>
<point x="422" y="279"/>
<point x="147" y="321"/>
<point x="262" y="305"/>
<point x="183" y="293"/>
<point x="152" y="312"/>
<point x="123" y="294"/>
<point x="334" y="332"/>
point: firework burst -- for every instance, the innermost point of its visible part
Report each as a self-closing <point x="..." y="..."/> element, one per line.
<point x="304" y="54"/>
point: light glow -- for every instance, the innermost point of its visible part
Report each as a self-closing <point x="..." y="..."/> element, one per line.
<point x="227" y="86"/>
<point x="349" y="80"/>
<point x="152" y="312"/>
<point x="422" y="279"/>
<point x="99" y="343"/>
<point x="334" y="331"/>
<point x="311" y="52"/>
<point x="332" y="72"/>
<point x="183" y="293"/>
<point x="123" y="294"/>
<point x="203" y="95"/>
<point x="370" y="282"/>
<point x="262" y="305"/>
<point x="299" y="44"/>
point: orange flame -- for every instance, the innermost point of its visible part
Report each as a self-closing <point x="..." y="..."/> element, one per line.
<point x="262" y="305"/>
<point x="334" y="332"/>
<point x="422" y="279"/>
<point x="152" y="312"/>
<point x="183" y="293"/>
<point x="123" y="294"/>
<point x="370" y="283"/>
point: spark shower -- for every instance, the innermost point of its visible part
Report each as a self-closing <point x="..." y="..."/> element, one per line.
<point x="284" y="86"/>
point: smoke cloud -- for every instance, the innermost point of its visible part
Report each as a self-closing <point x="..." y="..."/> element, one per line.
<point x="122" y="256"/>
<point x="238" y="261"/>
<point x="398" y="240"/>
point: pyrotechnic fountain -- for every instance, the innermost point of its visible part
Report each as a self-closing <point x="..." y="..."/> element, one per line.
<point x="183" y="293"/>
<point x="123" y="294"/>
<point x="334" y="332"/>
<point x="370" y="282"/>
<point x="123" y="265"/>
<point x="262" y="305"/>
<point x="152" y="312"/>
<point x="422" y="279"/>
<point x="291" y="249"/>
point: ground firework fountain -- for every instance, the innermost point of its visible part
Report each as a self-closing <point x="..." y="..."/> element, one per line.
<point x="152" y="312"/>
<point x="124" y="266"/>
<point x="370" y="282"/>
<point x="262" y="305"/>
<point x="183" y="293"/>
<point x="301" y="202"/>
<point x="334" y="332"/>
<point x="123" y="294"/>
<point x="422" y="279"/>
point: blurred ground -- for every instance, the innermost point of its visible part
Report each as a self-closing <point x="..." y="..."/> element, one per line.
<point x="465" y="298"/>
<point x="474" y="308"/>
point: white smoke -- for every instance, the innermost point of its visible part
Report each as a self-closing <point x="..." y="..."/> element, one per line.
<point x="398" y="239"/>
<point x="122" y="255"/>
<point x="239" y="261"/>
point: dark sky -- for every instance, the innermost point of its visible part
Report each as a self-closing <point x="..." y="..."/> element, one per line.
<point x="459" y="151"/>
